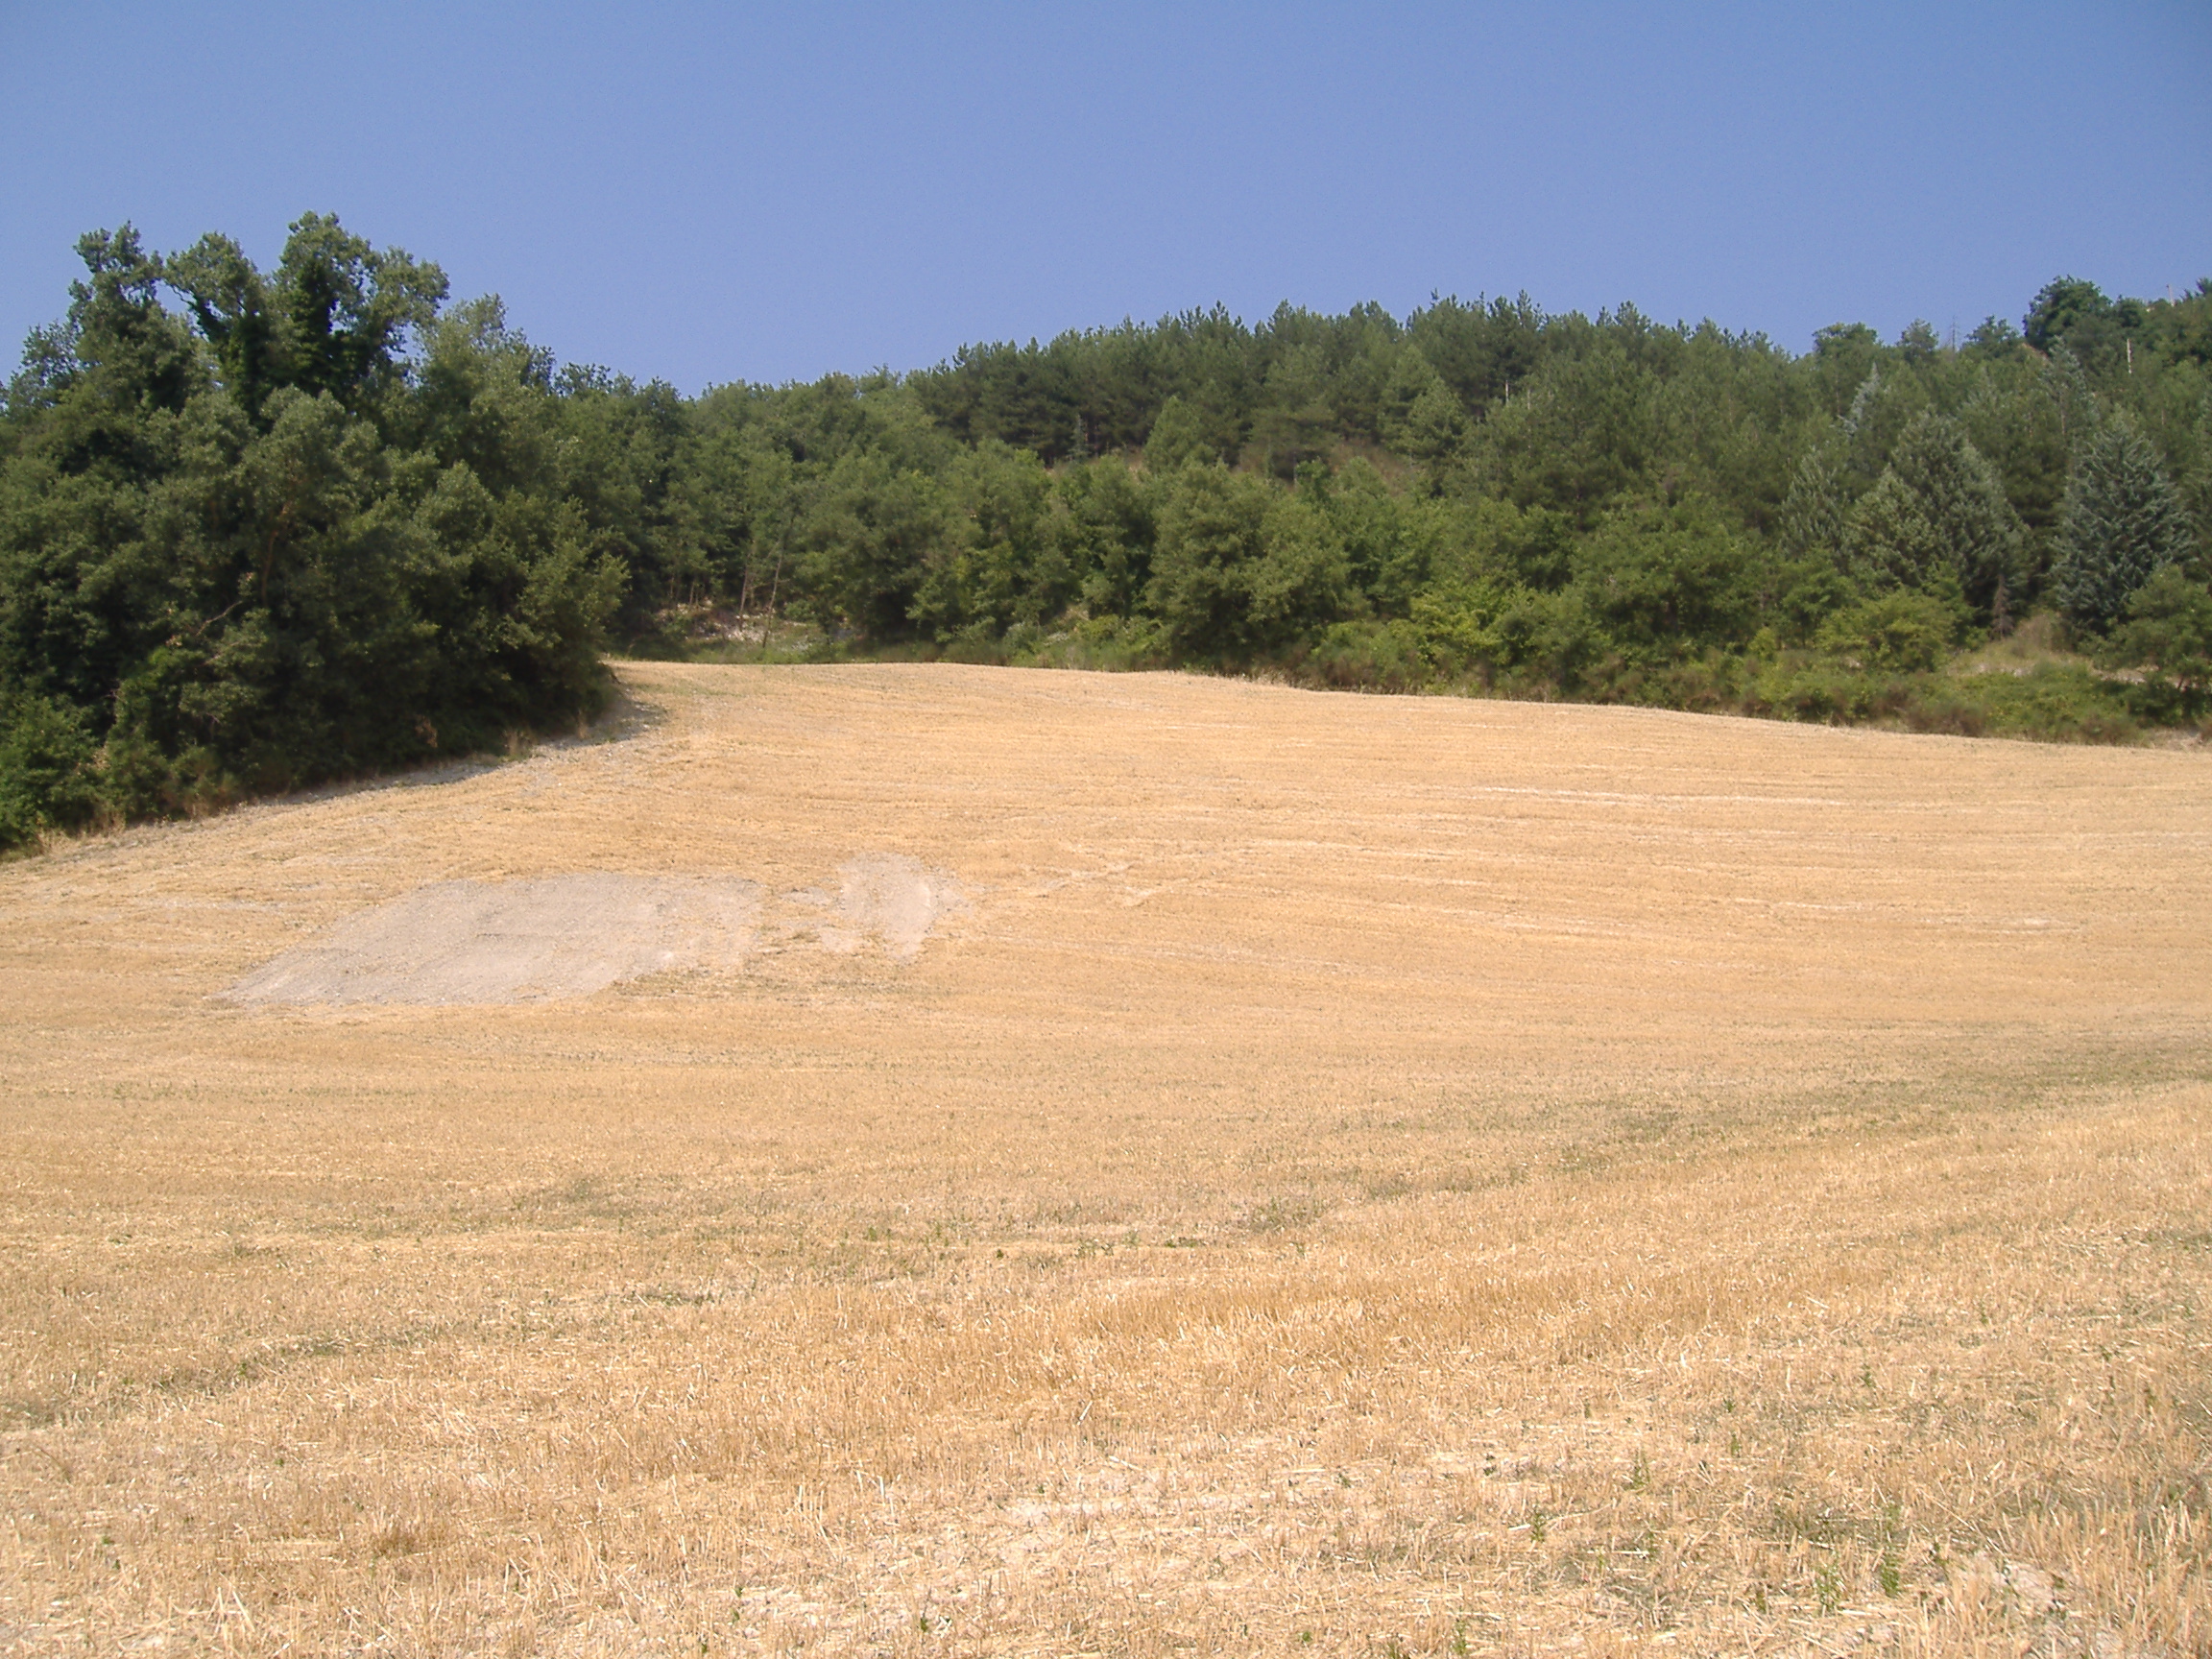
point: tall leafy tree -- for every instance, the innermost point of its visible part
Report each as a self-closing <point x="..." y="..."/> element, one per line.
<point x="2063" y="304"/>
<point x="872" y="531"/>
<point x="1669" y="581"/>
<point x="1238" y="568"/>
<point x="335" y="316"/>
<point x="238" y="552"/>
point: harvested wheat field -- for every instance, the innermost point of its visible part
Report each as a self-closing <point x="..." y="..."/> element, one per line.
<point x="930" y="1159"/>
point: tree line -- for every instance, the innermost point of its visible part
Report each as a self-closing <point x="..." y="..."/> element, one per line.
<point x="260" y="529"/>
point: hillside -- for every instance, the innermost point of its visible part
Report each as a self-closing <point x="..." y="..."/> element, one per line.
<point x="264" y="530"/>
<point x="929" y="1158"/>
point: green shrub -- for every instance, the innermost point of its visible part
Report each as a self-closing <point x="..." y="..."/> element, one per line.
<point x="1368" y="656"/>
<point x="1901" y="632"/>
<point x="2168" y="633"/>
<point x="1118" y="643"/>
<point x="46" y="770"/>
<point x="2057" y="702"/>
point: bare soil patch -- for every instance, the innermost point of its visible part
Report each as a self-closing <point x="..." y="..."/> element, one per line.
<point x="553" y="937"/>
<point x="887" y="898"/>
<point x="556" y="937"/>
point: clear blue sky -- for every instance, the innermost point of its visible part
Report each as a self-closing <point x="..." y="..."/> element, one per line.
<point x="708" y="193"/>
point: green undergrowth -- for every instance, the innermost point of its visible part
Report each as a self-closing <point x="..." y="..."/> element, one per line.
<point x="2029" y="684"/>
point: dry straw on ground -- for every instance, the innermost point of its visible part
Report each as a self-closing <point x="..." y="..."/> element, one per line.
<point x="1250" y="1171"/>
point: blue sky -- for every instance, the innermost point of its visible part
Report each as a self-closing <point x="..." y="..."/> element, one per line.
<point x="708" y="193"/>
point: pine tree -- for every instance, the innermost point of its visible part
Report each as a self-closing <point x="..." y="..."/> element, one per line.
<point x="1937" y="517"/>
<point x="2066" y="383"/>
<point x="1863" y="402"/>
<point x="1815" y="511"/>
<point x="2124" y="523"/>
<point x="2196" y="487"/>
<point x="1421" y="417"/>
<point x="1178" y="435"/>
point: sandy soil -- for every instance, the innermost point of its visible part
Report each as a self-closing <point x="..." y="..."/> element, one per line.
<point x="932" y="1160"/>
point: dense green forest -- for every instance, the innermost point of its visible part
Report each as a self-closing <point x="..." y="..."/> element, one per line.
<point x="258" y="529"/>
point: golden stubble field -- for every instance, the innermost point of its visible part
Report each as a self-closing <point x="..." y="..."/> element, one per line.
<point x="1359" y="1176"/>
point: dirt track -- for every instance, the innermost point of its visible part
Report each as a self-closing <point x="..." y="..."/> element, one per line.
<point x="1144" y="997"/>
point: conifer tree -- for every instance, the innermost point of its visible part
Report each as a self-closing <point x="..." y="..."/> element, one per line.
<point x="1937" y="517"/>
<point x="1815" y="511"/>
<point x="2124" y="523"/>
<point x="2066" y="383"/>
<point x="1178" y="435"/>
<point x="1421" y="417"/>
